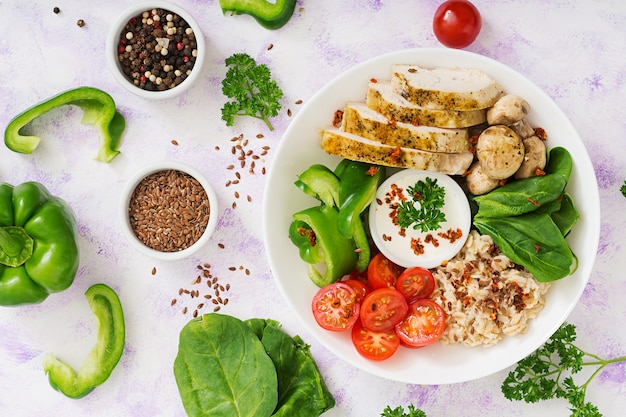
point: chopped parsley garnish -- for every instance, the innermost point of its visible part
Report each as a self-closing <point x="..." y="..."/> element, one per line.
<point x="623" y="189"/>
<point x="422" y="209"/>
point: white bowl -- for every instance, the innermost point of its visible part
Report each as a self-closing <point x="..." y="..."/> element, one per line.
<point x="114" y="36"/>
<point x="127" y="192"/>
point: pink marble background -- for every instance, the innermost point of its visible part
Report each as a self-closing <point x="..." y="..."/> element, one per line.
<point x="574" y="50"/>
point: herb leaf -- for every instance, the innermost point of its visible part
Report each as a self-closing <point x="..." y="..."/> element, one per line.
<point x="252" y="89"/>
<point x="399" y="412"/>
<point x="623" y="189"/>
<point x="549" y="373"/>
<point x="423" y="209"/>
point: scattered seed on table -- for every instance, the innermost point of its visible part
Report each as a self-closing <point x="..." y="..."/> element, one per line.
<point x="195" y="313"/>
<point x="80" y="23"/>
<point x="270" y="46"/>
<point x="216" y="308"/>
<point x="289" y="112"/>
<point x="174" y="142"/>
<point x="56" y="10"/>
<point x="184" y="310"/>
<point x="298" y="101"/>
<point x="154" y="270"/>
<point x="173" y="301"/>
<point x="260" y="136"/>
<point x="236" y="194"/>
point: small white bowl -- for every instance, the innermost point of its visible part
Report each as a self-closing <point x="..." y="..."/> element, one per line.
<point x="113" y="41"/>
<point x="125" y="200"/>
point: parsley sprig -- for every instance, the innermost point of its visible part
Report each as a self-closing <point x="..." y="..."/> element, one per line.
<point x="623" y="189"/>
<point x="548" y="373"/>
<point x="423" y="208"/>
<point x="399" y="412"/>
<point x="252" y="89"/>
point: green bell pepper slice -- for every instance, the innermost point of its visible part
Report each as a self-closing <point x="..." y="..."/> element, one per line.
<point x="358" y="183"/>
<point x="329" y="254"/>
<point x="99" y="110"/>
<point x="270" y="15"/>
<point x="320" y="182"/>
<point x="38" y="244"/>
<point x="104" y="356"/>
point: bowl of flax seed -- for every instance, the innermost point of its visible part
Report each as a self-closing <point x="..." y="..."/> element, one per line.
<point x="155" y="49"/>
<point x="168" y="210"/>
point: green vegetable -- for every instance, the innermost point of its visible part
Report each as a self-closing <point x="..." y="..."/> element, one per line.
<point x="38" y="244"/>
<point x="623" y="189"/>
<point x="99" y="110"/>
<point x="230" y="368"/>
<point x="329" y="254"/>
<point x="270" y="15"/>
<point x="529" y="219"/>
<point x="251" y="87"/>
<point x="549" y="373"/>
<point x="430" y="198"/>
<point x="301" y="390"/>
<point x="399" y="412"/>
<point x="104" y="356"/>
<point x="320" y="182"/>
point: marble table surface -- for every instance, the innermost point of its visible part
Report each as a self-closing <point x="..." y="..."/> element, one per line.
<point x="572" y="49"/>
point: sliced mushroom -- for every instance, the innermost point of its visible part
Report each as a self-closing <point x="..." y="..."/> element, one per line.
<point x="534" y="158"/>
<point x="508" y="110"/>
<point x="523" y="129"/>
<point x="500" y="151"/>
<point x="478" y="182"/>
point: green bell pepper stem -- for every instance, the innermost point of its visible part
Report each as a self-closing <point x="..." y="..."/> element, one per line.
<point x="48" y="264"/>
<point x="104" y="356"/>
<point x="99" y="110"/>
<point x="320" y="182"/>
<point x="358" y="183"/>
<point x="329" y="254"/>
<point x="270" y="15"/>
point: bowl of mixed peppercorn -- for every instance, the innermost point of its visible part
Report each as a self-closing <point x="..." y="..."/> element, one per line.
<point x="155" y="50"/>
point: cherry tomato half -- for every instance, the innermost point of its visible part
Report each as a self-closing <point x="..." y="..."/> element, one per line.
<point x="361" y="288"/>
<point x="415" y="283"/>
<point x="457" y="23"/>
<point x="372" y="345"/>
<point x="382" y="309"/>
<point x="335" y="307"/>
<point x="424" y="323"/>
<point x="382" y="273"/>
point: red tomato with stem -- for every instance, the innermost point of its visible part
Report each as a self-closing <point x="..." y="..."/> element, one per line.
<point x="373" y="345"/>
<point x="456" y="23"/>
<point x="424" y="323"/>
<point x="382" y="309"/>
<point x="415" y="283"/>
<point x="382" y="273"/>
<point x="335" y="307"/>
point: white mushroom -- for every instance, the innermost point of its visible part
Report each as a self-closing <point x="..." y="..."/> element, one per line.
<point x="534" y="158"/>
<point x="500" y="151"/>
<point x="508" y="110"/>
<point x="478" y="182"/>
<point x="523" y="129"/>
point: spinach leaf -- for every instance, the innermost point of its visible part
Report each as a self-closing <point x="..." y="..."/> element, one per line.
<point x="222" y="369"/>
<point x="567" y="215"/>
<point x="530" y="194"/>
<point x="532" y="240"/>
<point x="301" y="389"/>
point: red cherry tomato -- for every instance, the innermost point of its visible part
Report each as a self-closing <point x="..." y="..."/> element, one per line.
<point x="382" y="309"/>
<point x="335" y="307"/>
<point x="382" y="273"/>
<point x="361" y="288"/>
<point x="372" y="345"/>
<point x="424" y="324"/>
<point x="457" y="23"/>
<point x="415" y="283"/>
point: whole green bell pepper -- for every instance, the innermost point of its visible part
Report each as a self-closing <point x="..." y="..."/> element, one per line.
<point x="270" y="15"/>
<point x="99" y="110"/>
<point x="38" y="244"/>
<point x="103" y="358"/>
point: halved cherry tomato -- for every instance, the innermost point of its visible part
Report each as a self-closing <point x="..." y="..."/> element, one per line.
<point x="423" y="325"/>
<point x="335" y="306"/>
<point x="382" y="309"/>
<point x="373" y="345"/>
<point x="415" y="283"/>
<point x="456" y="23"/>
<point x="361" y="288"/>
<point x="382" y="273"/>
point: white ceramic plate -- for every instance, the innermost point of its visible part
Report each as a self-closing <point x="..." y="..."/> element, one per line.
<point x="437" y="363"/>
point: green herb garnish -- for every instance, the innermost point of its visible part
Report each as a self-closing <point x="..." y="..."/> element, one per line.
<point x="623" y="189"/>
<point x="399" y="412"/>
<point x="548" y="373"/>
<point x="423" y="209"/>
<point x="252" y="88"/>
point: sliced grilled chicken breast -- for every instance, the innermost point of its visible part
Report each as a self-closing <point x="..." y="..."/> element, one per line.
<point x="357" y="148"/>
<point x="365" y="122"/>
<point x="380" y="97"/>
<point x="445" y="88"/>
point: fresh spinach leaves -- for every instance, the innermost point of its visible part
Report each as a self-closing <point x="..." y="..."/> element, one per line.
<point x="231" y="368"/>
<point x="529" y="219"/>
